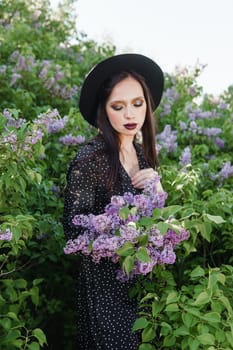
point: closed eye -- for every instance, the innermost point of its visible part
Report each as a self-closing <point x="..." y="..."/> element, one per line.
<point x="117" y="107"/>
<point x="138" y="103"/>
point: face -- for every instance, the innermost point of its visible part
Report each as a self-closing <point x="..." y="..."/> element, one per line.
<point x="126" y="107"/>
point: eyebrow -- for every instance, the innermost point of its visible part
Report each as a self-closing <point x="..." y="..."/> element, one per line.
<point x="123" y="101"/>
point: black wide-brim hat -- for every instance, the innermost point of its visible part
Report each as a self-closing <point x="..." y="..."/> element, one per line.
<point x="146" y="67"/>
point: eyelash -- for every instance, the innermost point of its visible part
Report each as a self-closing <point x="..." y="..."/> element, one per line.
<point x="119" y="107"/>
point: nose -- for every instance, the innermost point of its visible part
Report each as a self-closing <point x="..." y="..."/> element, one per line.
<point x="128" y="112"/>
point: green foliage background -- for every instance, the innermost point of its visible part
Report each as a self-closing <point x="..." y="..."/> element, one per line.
<point x="43" y="61"/>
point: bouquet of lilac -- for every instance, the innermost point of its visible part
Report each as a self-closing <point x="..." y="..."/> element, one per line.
<point x="135" y="230"/>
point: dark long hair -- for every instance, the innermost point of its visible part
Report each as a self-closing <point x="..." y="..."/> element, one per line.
<point x="109" y="134"/>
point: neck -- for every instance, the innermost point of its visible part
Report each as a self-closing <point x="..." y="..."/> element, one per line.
<point x="126" y="144"/>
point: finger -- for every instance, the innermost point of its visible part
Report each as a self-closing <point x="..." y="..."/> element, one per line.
<point x="143" y="174"/>
<point x="139" y="185"/>
<point x="140" y="181"/>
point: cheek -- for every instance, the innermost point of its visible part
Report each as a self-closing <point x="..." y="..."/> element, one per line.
<point x="112" y="117"/>
<point x="143" y="114"/>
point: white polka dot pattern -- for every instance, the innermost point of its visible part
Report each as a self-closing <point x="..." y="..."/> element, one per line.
<point x="105" y="311"/>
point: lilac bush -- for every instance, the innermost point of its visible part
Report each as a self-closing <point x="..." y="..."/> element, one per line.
<point x="188" y="304"/>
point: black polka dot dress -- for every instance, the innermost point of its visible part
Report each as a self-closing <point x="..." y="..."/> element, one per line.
<point x="105" y="312"/>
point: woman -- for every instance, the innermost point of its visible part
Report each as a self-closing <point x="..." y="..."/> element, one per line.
<point x="118" y="96"/>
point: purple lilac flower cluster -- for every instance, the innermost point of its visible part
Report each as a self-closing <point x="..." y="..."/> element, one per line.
<point x="192" y="125"/>
<point x="51" y="75"/>
<point x="52" y="121"/>
<point x="23" y="64"/>
<point x="185" y="157"/>
<point x="225" y="172"/>
<point x="53" y="82"/>
<point x="6" y="236"/>
<point x="169" y="97"/>
<point x="11" y="121"/>
<point x="119" y="225"/>
<point x="167" y="139"/>
<point x="10" y="137"/>
<point x="68" y="140"/>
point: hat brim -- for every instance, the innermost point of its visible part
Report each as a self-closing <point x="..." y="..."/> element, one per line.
<point x="140" y="64"/>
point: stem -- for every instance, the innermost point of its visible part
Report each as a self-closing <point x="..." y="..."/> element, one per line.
<point x="15" y="269"/>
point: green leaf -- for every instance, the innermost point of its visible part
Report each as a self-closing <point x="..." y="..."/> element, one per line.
<point x="35" y="295"/>
<point x="165" y="328"/>
<point x="203" y="298"/>
<point x="172" y="297"/>
<point x="183" y="330"/>
<point x="193" y="344"/>
<point x="5" y="323"/>
<point x="205" y="229"/>
<point x="170" y="211"/>
<point x="37" y="281"/>
<point x="18" y="343"/>
<point x="215" y="218"/>
<point x="187" y="319"/>
<point x="173" y="225"/>
<point x="11" y="335"/>
<point x="142" y="240"/>
<point x="38" y="178"/>
<point x="142" y="255"/>
<point x="169" y="341"/>
<point x="157" y="213"/>
<point x="20" y="283"/>
<point x="2" y="300"/>
<point x="126" y="249"/>
<point x="216" y="306"/>
<point x="39" y="335"/>
<point x="221" y="278"/>
<point x="140" y="323"/>
<point x="197" y="272"/>
<point x="211" y="317"/>
<point x="192" y="311"/>
<point x="156" y="307"/>
<point x="34" y="346"/>
<point x="124" y="213"/>
<point x="13" y="316"/>
<point x="213" y="278"/>
<point x="149" y="296"/>
<point x="128" y="264"/>
<point x="225" y="301"/>
<point x="163" y="227"/>
<point x="172" y="307"/>
<point x="13" y="297"/>
<point x="220" y="335"/>
<point x="229" y="337"/>
<point x="203" y="328"/>
<point x="148" y="333"/>
<point x="146" y="221"/>
<point x="188" y="212"/>
<point x="206" y="339"/>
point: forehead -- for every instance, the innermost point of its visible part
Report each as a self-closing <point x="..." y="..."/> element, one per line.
<point x="127" y="88"/>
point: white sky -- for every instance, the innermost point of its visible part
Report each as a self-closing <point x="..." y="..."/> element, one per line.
<point x="172" y="32"/>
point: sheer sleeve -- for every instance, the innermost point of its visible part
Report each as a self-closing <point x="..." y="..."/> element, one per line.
<point x="79" y="197"/>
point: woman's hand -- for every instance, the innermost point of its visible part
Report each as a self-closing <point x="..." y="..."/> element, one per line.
<point x="139" y="179"/>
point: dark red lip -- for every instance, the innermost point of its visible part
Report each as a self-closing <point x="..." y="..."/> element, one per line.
<point x="130" y="126"/>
